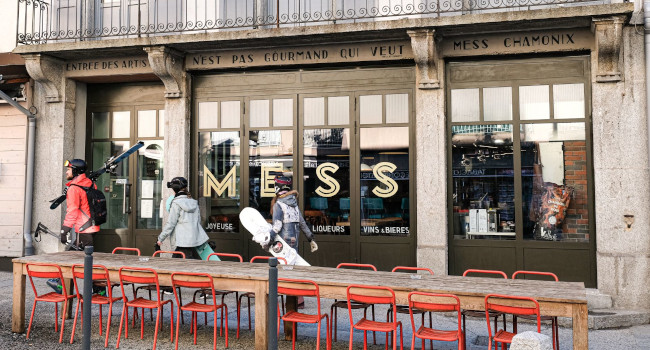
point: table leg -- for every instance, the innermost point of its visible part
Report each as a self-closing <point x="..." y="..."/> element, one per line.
<point x="18" y="310"/>
<point x="291" y="305"/>
<point x="261" y="315"/>
<point x="580" y="327"/>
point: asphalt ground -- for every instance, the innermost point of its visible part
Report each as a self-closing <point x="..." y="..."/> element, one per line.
<point x="43" y="335"/>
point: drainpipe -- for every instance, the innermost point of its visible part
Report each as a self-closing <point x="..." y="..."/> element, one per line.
<point x="29" y="183"/>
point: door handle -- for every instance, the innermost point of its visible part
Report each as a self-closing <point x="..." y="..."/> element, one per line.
<point x="126" y="199"/>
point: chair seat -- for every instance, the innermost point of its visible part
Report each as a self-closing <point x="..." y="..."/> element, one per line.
<point x="343" y="304"/>
<point x="295" y="316"/>
<point x="54" y="297"/>
<point x="198" y="307"/>
<point x="145" y="303"/>
<point x="436" y="334"/>
<point x="503" y="337"/>
<point x="368" y="325"/>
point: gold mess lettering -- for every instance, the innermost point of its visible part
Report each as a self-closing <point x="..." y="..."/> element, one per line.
<point x="210" y="183"/>
<point x="391" y="185"/>
<point x="334" y="186"/>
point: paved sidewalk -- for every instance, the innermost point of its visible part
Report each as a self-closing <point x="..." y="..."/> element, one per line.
<point x="44" y="337"/>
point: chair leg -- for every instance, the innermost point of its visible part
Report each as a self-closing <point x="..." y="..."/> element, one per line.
<point x="178" y="315"/>
<point x="31" y="318"/>
<point x="214" y="328"/>
<point x="155" y="333"/>
<point x="56" y="317"/>
<point x="74" y="324"/>
<point x="119" y="330"/>
<point x="351" y="335"/>
<point x="63" y="317"/>
<point x="226" y="312"/>
<point x="238" y="312"/>
<point x="293" y="337"/>
<point x="374" y="334"/>
<point x="108" y="322"/>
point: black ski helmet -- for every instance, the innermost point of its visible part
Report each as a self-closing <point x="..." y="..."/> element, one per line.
<point x="282" y="183"/>
<point x="177" y="184"/>
<point x="78" y="166"/>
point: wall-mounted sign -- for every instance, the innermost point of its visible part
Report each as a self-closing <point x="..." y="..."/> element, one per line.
<point x="109" y="66"/>
<point x="358" y="52"/>
<point x="518" y="42"/>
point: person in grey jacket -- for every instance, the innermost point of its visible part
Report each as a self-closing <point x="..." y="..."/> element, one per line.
<point x="183" y="226"/>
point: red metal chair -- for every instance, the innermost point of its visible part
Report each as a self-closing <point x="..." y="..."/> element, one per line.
<point x="142" y="275"/>
<point x="47" y="271"/>
<point x="249" y="295"/>
<point x="343" y="304"/>
<point x="202" y="282"/>
<point x="164" y="289"/>
<point x="100" y="273"/>
<point x="303" y="288"/>
<point x="374" y="295"/>
<point x="404" y="309"/>
<point x="126" y="249"/>
<point x="204" y="293"/>
<point x="477" y="313"/>
<point x="508" y="304"/>
<point x="553" y="319"/>
<point x="429" y="302"/>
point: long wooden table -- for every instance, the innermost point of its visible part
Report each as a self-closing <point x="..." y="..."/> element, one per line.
<point x="563" y="299"/>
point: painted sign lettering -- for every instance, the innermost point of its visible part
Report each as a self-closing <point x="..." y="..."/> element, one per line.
<point x="211" y="183"/>
<point x="334" y="186"/>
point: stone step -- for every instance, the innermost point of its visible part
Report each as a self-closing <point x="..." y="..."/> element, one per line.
<point x="612" y="318"/>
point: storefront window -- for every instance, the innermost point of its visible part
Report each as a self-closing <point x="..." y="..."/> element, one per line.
<point x="150" y="189"/>
<point x="219" y="174"/>
<point x="554" y="181"/>
<point x="384" y="181"/>
<point x="326" y="165"/>
<point x="483" y="182"/>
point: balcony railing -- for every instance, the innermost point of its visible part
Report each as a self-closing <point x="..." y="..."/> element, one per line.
<point x="41" y="21"/>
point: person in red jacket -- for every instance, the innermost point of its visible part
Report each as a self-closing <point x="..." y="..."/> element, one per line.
<point x="77" y="214"/>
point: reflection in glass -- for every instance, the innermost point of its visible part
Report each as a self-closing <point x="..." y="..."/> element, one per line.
<point x="385" y="178"/>
<point x="483" y="182"/>
<point x="112" y="186"/>
<point x="326" y="194"/>
<point x="259" y="116"/>
<point x="100" y="125"/>
<point x="371" y="109"/>
<point x="534" y="102"/>
<point x="314" y="110"/>
<point x="270" y="152"/>
<point x="397" y="108"/>
<point x="219" y="174"/>
<point x="146" y="123"/>
<point x="464" y="105"/>
<point x="497" y="104"/>
<point x="150" y="189"/>
<point x="338" y="110"/>
<point x="554" y="182"/>
<point x="208" y="115"/>
<point x="283" y="112"/>
<point x="121" y="124"/>
<point x="568" y="101"/>
<point x="230" y="114"/>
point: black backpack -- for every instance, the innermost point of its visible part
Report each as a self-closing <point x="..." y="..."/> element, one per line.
<point x="97" y="205"/>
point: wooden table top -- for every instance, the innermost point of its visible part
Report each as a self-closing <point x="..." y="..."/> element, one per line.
<point x="543" y="291"/>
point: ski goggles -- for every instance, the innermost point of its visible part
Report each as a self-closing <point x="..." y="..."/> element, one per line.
<point x="67" y="164"/>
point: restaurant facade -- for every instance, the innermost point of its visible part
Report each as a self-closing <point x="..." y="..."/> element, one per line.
<point x="502" y="140"/>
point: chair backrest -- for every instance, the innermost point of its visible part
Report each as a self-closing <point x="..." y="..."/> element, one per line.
<point x="411" y="269"/>
<point x="138" y="275"/>
<point x="100" y="273"/>
<point x="538" y="273"/>
<point x="295" y="287"/>
<point x="226" y="255"/>
<point x="485" y="272"/>
<point x="266" y="258"/>
<point x="158" y="252"/>
<point x="192" y="280"/>
<point x="511" y="304"/>
<point x="43" y="270"/>
<point x="318" y="203"/>
<point x="356" y="266"/>
<point x="433" y="302"/>
<point x="126" y="249"/>
<point x="370" y="295"/>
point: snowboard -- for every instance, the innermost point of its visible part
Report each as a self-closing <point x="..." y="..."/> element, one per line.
<point x="255" y="223"/>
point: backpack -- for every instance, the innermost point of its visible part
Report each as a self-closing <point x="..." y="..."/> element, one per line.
<point x="96" y="204"/>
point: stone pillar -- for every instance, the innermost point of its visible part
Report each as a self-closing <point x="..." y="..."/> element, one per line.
<point x="54" y="99"/>
<point x="167" y="64"/>
<point x="431" y="151"/>
<point x="620" y="156"/>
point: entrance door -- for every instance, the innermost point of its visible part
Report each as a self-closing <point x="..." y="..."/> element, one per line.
<point x="135" y="194"/>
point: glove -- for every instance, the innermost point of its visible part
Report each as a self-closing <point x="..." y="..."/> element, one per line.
<point x="314" y="246"/>
<point x="64" y="234"/>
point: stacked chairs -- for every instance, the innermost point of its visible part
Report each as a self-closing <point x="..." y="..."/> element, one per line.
<point x="141" y="275"/>
<point x="249" y="295"/>
<point x="553" y="319"/>
<point x="374" y="295"/>
<point x="203" y="282"/>
<point x="343" y="304"/>
<point x="303" y="288"/>
<point x="151" y="287"/>
<point x="507" y="304"/>
<point x="100" y="273"/>
<point x="476" y="313"/>
<point x="47" y="271"/>
<point x="404" y="309"/>
<point x="430" y="302"/>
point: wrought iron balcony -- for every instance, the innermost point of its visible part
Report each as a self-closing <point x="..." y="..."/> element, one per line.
<point x="41" y="21"/>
